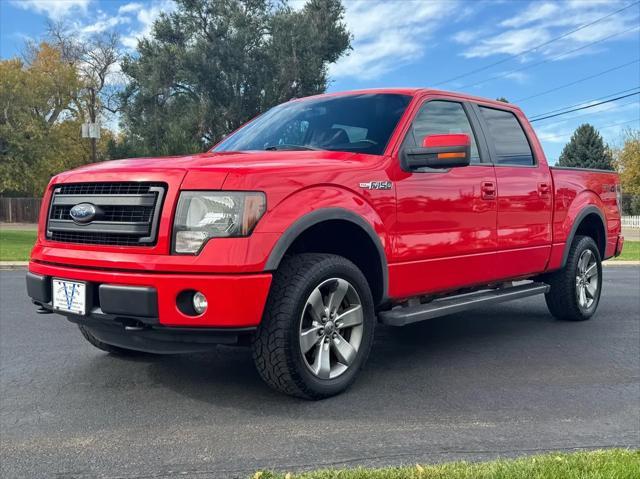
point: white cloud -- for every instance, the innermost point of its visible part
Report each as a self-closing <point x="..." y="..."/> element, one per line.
<point x="145" y="15"/>
<point x="539" y="22"/>
<point x="511" y="42"/>
<point x="103" y="23"/>
<point x="535" y="12"/>
<point x="54" y="9"/>
<point x="387" y="35"/>
<point x="130" y="8"/>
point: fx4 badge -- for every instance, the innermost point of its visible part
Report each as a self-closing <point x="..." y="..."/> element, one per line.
<point x="376" y="185"/>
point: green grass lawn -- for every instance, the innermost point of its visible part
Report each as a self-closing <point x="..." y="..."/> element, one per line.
<point x="606" y="464"/>
<point x="630" y="251"/>
<point x="16" y="245"/>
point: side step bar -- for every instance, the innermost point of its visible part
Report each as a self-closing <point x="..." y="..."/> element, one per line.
<point x="454" y="304"/>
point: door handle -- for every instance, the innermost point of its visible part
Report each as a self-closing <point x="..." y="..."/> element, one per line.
<point x="488" y="190"/>
<point x="544" y="189"/>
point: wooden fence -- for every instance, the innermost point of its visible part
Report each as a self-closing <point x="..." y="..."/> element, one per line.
<point x="19" y="210"/>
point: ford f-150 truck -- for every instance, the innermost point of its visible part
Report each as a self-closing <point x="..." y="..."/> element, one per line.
<point x="301" y="230"/>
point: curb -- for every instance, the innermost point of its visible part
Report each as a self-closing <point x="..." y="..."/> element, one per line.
<point x="13" y="265"/>
<point x="621" y="263"/>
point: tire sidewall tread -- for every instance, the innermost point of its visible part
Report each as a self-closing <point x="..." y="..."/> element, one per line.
<point x="561" y="299"/>
<point x="275" y="348"/>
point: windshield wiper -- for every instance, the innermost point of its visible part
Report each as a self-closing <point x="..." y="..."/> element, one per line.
<point x="290" y="147"/>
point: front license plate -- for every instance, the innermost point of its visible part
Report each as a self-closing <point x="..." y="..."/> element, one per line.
<point x="69" y="296"/>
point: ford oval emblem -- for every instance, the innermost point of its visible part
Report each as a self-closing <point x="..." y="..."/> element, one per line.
<point x="83" y="212"/>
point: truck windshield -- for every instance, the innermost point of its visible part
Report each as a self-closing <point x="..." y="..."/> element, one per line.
<point x="356" y="123"/>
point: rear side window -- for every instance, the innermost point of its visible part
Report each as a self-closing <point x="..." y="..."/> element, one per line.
<point x="440" y="117"/>
<point x="510" y="142"/>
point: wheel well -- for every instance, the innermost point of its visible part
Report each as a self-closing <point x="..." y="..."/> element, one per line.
<point x="347" y="239"/>
<point x="591" y="225"/>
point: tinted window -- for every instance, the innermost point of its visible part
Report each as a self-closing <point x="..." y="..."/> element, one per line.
<point x="357" y="123"/>
<point x="441" y="118"/>
<point x="510" y="143"/>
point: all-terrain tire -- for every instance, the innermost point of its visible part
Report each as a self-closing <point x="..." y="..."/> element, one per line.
<point x="563" y="299"/>
<point x="277" y="352"/>
<point x="109" y="348"/>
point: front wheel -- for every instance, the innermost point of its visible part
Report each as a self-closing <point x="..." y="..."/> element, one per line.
<point x="317" y="328"/>
<point x="575" y="290"/>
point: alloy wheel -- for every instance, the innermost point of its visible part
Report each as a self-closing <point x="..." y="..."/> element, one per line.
<point x="331" y="328"/>
<point x="587" y="279"/>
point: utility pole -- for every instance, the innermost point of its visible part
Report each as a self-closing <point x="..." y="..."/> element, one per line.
<point x="91" y="130"/>
<point x="92" y="114"/>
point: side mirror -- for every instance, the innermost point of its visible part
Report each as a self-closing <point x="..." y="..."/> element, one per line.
<point x="440" y="151"/>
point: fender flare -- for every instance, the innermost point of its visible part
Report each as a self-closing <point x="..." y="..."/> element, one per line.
<point x="576" y="224"/>
<point x="319" y="216"/>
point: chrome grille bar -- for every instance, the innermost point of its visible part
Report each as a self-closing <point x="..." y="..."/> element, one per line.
<point x="127" y="214"/>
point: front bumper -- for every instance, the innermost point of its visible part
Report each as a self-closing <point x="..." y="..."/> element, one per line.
<point x="150" y="299"/>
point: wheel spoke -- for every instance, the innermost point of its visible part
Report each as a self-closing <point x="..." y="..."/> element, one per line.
<point x="583" y="296"/>
<point x="309" y="338"/>
<point x="592" y="271"/>
<point x="584" y="260"/>
<point x="591" y="289"/>
<point x="344" y="351"/>
<point x="349" y="318"/>
<point x="336" y="297"/>
<point x="317" y="309"/>
<point x="322" y="364"/>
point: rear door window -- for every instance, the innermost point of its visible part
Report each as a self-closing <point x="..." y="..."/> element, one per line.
<point x="509" y="140"/>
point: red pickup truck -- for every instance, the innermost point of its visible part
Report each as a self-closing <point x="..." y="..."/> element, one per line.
<point x="299" y="231"/>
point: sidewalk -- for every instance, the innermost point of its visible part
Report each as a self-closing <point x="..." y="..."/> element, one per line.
<point x="19" y="226"/>
<point x="8" y="265"/>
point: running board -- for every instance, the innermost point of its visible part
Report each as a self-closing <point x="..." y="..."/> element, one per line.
<point x="454" y="304"/>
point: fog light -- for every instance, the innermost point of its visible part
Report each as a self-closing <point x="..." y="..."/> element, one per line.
<point x="199" y="302"/>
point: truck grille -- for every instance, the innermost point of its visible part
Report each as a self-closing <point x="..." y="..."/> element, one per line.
<point x="126" y="214"/>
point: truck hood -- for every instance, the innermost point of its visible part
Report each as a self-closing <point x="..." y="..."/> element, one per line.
<point x="225" y="161"/>
<point x="216" y="166"/>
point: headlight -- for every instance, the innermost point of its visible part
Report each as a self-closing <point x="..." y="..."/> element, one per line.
<point x="202" y="215"/>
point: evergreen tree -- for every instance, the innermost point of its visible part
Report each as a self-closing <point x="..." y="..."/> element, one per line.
<point x="211" y="65"/>
<point x="586" y="150"/>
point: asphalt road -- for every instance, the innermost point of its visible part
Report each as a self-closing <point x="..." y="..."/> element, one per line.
<point x="502" y="381"/>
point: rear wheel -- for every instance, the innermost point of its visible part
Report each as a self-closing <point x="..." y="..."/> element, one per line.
<point x="575" y="290"/>
<point x="317" y="328"/>
<point x="109" y="348"/>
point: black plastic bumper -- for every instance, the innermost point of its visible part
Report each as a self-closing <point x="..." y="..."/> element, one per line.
<point x="127" y="317"/>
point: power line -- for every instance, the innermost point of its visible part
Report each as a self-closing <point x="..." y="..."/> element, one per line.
<point x="511" y="57"/>
<point x="546" y="125"/>
<point x="568" y="134"/>
<point x="618" y="124"/>
<point x="585" y="107"/>
<point x="584" y="102"/>
<point x="560" y="87"/>
<point x="532" y="65"/>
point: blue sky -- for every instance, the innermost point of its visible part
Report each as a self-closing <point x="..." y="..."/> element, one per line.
<point x="436" y="43"/>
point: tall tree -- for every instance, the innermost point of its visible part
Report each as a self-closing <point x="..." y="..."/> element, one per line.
<point x="39" y="125"/>
<point x="95" y="59"/>
<point x="586" y="149"/>
<point x="211" y="65"/>
<point x="628" y="162"/>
